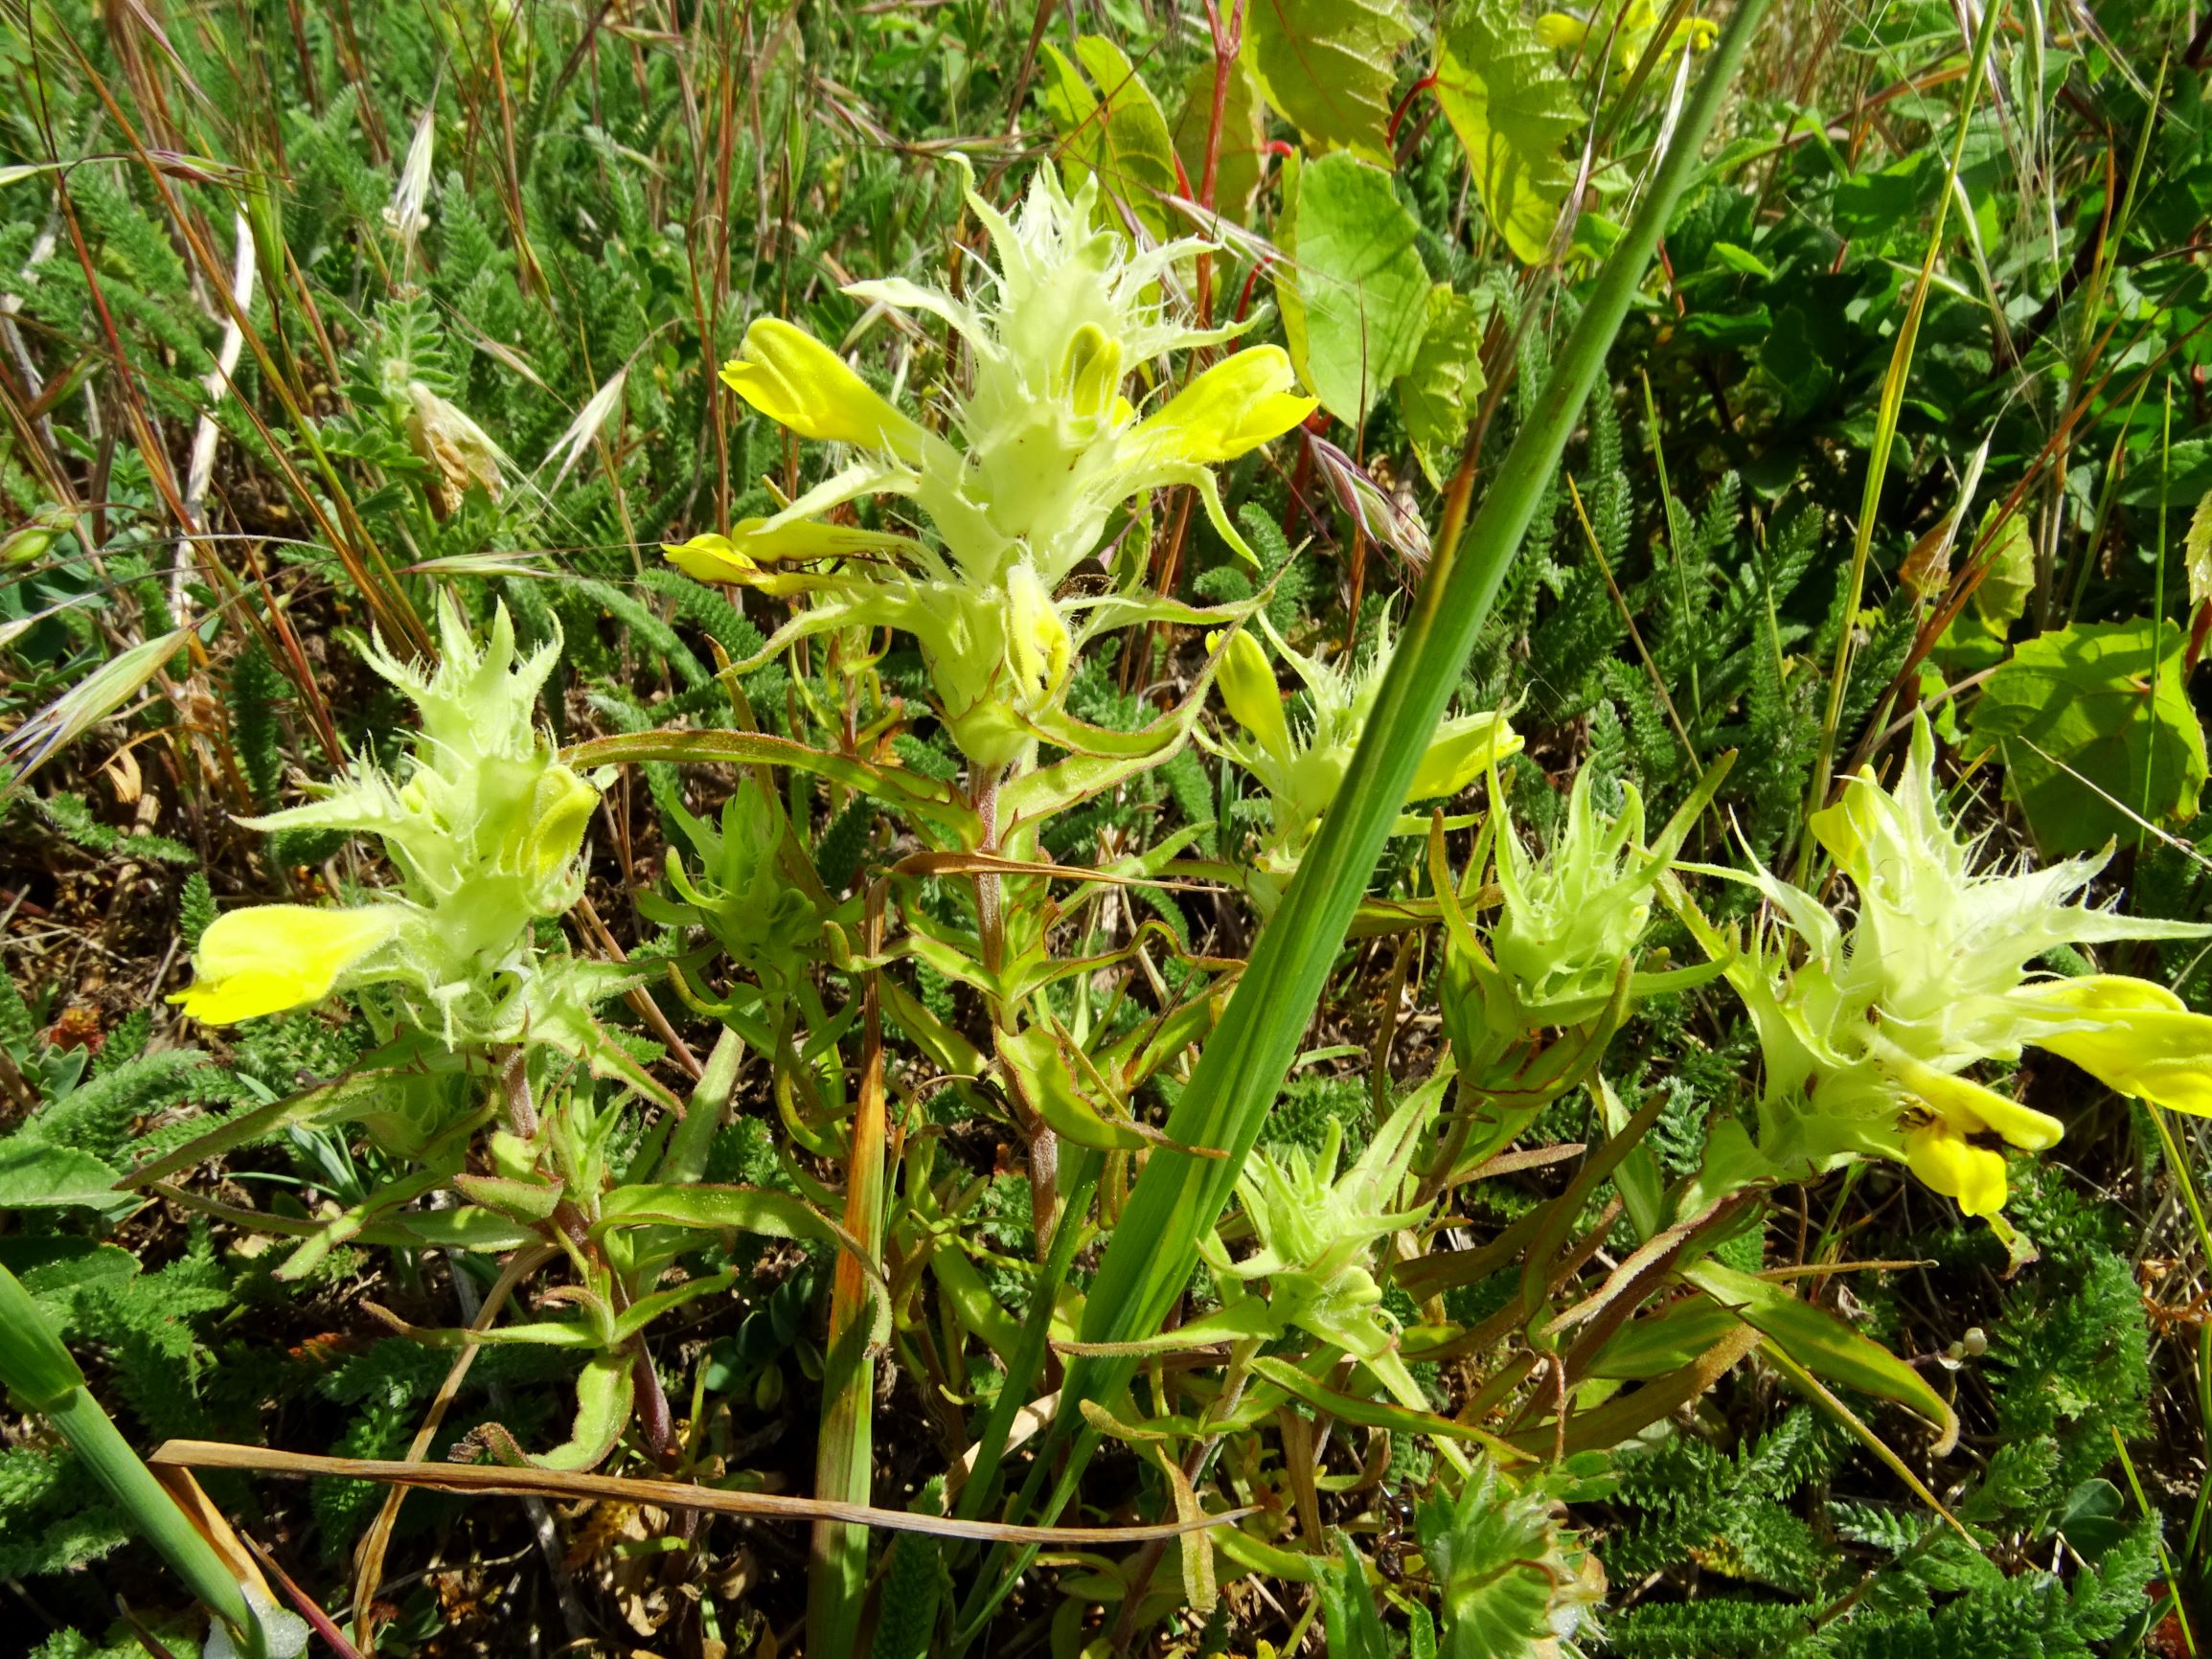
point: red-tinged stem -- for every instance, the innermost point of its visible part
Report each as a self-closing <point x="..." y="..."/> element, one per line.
<point x="1228" y="42"/>
<point x="1427" y="83"/>
<point x="837" y="1581"/>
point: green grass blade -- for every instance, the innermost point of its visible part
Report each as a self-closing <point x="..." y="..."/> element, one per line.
<point x="1153" y="1251"/>
<point x="1890" y="411"/>
<point x="37" y="1370"/>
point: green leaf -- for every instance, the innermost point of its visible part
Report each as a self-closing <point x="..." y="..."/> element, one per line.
<point x="2002" y="593"/>
<point x="1118" y="133"/>
<point x="1512" y="109"/>
<point x="1372" y="1412"/>
<point x="2086" y="740"/>
<point x="2197" y="553"/>
<point x="1326" y="67"/>
<point x="1355" y="1631"/>
<point x="1046" y="1084"/>
<point x="35" y="1175"/>
<point x="605" y="1394"/>
<point x="719" y="1209"/>
<point x="1665" y="1341"/>
<point x="1237" y="165"/>
<point x="1355" y="294"/>
<point x="1824" y="1345"/>
<point x="1437" y="395"/>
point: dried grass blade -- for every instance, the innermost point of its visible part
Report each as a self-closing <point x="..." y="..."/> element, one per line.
<point x="475" y="1479"/>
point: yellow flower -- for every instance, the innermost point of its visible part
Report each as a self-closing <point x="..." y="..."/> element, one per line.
<point x="1040" y="650"/>
<point x="273" y="957"/>
<point x="753" y="542"/>
<point x="1947" y="1162"/>
<point x="1867" y="1032"/>
<point x="1237" y="405"/>
<point x="1638" y="22"/>
<point x="560" y="813"/>
<point x="2136" y="1037"/>
<point x="795" y="381"/>
<point x="1968" y="1108"/>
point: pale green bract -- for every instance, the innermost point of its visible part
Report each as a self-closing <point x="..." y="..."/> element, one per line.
<point x="1317" y="1230"/>
<point x="485" y="828"/>
<point x="1868" y="1033"/>
<point x="1042" y="453"/>
<point x="1302" y="770"/>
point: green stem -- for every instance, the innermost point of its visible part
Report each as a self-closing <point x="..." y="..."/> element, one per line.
<point x="37" y="1370"/>
<point x="1892" y="408"/>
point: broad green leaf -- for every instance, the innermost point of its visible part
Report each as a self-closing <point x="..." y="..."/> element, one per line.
<point x="2002" y="593"/>
<point x="2086" y="740"/>
<point x="522" y="1201"/>
<point x="719" y="1208"/>
<point x="2197" y="553"/>
<point x="1326" y="67"/>
<point x="605" y="1394"/>
<point x="1047" y="1086"/>
<point x="1824" y="1345"/>
<point x="1116" y="132"/>
<point x="35" y="1175"/>
<point x="1437" y="397"/>
<point x="1512" y="109"/>
<point x="1243" y="137"/>
<point x="1355" y="293"/>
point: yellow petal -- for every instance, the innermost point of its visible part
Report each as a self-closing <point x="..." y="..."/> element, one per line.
<point x="272" y="956"/>
<point x="1950" y="1164"/>
<point x="1038" y="647"/>
<point x="1559" y="31"/>
<point x="1460" y="754"/>
<point x="1970" y="1108"/>
<point x="794" y="380"/>
<point x="710" y="558"/>
<point x="1248" y="688"/>
<point x="1092" y="373"/>
<point x="2136" y="1037"/>
<point x="1235" y="405"/>
<point x="563" y="810"/>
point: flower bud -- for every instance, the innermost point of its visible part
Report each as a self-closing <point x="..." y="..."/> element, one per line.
<point x="1248" y="690"/>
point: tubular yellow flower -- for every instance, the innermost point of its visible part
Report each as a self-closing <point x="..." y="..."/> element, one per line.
<point x="560" y="813"/>
<point x="795" y="381"/>
<point x="483" y="827"/>
<point x="1952" y="1165"/>
<point x="1871" y="1030"/>
<point x="737" y="557"/>
<point x="275" y="957"/>
<point x="2134" y="1038"/>
<point x="1970" y="1108"/>
<point x="1248" y="688"/>
<point x="1237" y="405"/>
<point x="1038" y="647"/>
